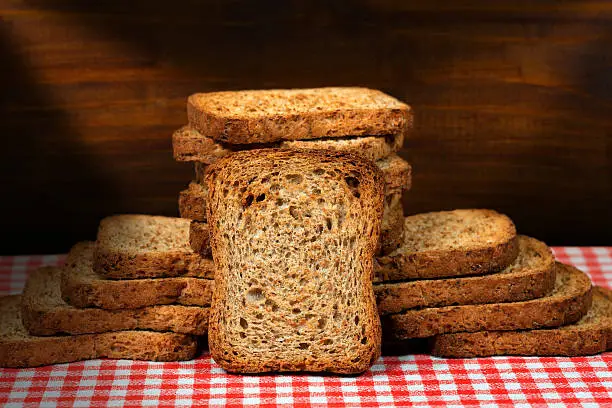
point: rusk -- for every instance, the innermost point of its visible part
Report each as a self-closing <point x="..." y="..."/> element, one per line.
<point x="293" y="234"/>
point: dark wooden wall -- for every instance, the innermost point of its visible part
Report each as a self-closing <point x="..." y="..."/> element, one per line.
<point x="513" y="101"/>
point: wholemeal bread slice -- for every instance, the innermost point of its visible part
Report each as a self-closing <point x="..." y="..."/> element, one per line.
<point x="531" y="275"/>
<point x="20" y="349"/>
<point x="397" y="173"/>
<point x="451" y="243"/>
<point x="567" y="303"/>
<point x="191" y="145"/>
<point x="45" y="313"/>
<point x="82" y="287"/>
<point x="266" y="116"/>
<point x="590" y="335"/>
<point x="147" y="246"/>
<point x="293" y="235"/>
<point x="199" y="238"/>
<point x="192" y="202"/>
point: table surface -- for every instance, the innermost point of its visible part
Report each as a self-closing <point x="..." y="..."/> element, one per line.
<point x="416" y="380"/>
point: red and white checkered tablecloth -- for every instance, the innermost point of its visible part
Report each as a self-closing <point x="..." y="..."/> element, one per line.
<point x="410" y="380"/>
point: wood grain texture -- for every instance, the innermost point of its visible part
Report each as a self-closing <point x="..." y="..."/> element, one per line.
<point x="513" y="102"/>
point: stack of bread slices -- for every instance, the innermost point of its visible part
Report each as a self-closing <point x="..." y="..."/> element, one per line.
<point x="362" y="121"/>
<point x="466" y="281"/>
<point x="138" y="292"/>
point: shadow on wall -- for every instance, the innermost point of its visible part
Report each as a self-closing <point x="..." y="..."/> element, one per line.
<point x="37" y="214"/>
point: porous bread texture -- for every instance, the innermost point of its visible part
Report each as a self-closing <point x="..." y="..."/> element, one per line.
<point x="199" y="238"/>
<point x="147" y="246"/>
<point x="451" y="243"/>
<point x="45" y="313"/>
<point x="293" y="235"/>
<point x="82" y="287"/>
<point x="397" y="174"/>
<point x="192" y="202"/>
<point x="590" y="335"/>
<point x="391" y="234"/>
<point x="190" y="145"/>
<point x="531" y="275"/>
<point x="567" y="303"/>
<point x="20" y="349"/>
<point x="265" y="116"/>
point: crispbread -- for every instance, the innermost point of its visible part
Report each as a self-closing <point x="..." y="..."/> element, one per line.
<point x="191" y="145"/>
<point x="147" y="246"/>
<point x="590" y="335"/>
<point x="266" y="116"/>
<point x="82" y="287"/>
<point x="530" y="276"/>
<point x="293" y="235"/>
<point x="45" y="313"/>
<point x="449" y="244"/>
<point x="567" y="303"/>
<point x="20" y="349"/>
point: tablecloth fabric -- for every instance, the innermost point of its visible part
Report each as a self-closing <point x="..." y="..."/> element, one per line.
<point x="410" y="380"/>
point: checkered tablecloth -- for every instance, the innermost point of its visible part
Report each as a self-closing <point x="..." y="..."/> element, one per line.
<point x="410" y="380"/>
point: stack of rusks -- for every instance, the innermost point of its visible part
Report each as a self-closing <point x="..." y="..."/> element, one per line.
<point x="464" y="280"/>
<point x="137" y="292"/>
<point x="354" y="120"/>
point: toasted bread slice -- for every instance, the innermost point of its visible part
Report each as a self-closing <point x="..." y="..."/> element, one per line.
<point x="191" y="145"/>
<point x="397" y="173"/>
<point x="147" y="246"/>
<point x="266" y="116"/>
<point x="293" y="234"/>
<point x="567" y="303"/>
<point x="451" y="243"/>
<point x="590" y="335"/>
<point x="20" y="349"/>
<point x="82" y="287"/>
<point x="192" y="202"/>
<point x="45" y="313"/>
<point x="531" y="275"/>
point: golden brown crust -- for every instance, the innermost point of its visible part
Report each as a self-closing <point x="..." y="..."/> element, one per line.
<point x="580" y="339"/>
<point x="567" y="304"/>
<point x="291" y="120"/>
<point x="392" y="229"/>
<point x="443" y="263"/>
<point x="191" y="145"/>
<point x="113" y="265"/>
<point x="514" y="284"/>
<point x="137" y="293"/>
<point x="199" y="238"/>
<point x="82" y="287"/>
<point x="224" y="171"/>
<point x="45" y="313"/>
<point x="20" y="349"/>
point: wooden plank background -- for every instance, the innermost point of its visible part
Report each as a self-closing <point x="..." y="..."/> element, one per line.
<point x="513" y="102"/>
